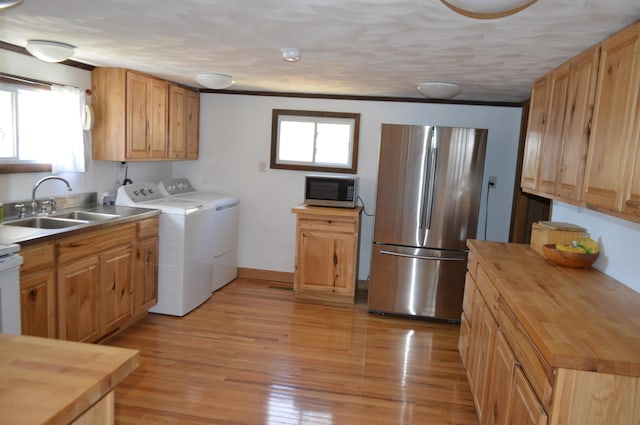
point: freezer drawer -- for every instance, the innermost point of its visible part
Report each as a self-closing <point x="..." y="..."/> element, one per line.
<point x="419" y="282"/>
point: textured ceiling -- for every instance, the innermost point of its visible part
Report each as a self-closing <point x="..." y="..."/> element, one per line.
<point x="354" y="47"/>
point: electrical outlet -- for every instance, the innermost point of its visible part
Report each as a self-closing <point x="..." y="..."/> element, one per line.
<point x="493" y="181"/>
<point x="262" y="166"/>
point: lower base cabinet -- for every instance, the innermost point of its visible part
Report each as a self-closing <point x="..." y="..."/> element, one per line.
<point x="511" y="381"/>
<point x="87" y="286"/>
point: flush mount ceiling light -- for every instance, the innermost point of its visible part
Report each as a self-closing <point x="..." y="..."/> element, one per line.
<point x="5" y="4"/>
<point x="50" y="51"/>
<point x="438" y="90"/>
<point x="487" y="9"/>
<point x="215" y="81"/>
<point x="291" y="54"/>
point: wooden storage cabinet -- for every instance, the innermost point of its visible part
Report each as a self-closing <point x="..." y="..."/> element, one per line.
<point x="184" y="111"/>
<point x="38" y="290"/>
<point x="326" y="260"/>
<point x="582" y="143"/>
<point x="146" y="281"/>
<point x="142" y="118"/>
<point x="527" y="362"/>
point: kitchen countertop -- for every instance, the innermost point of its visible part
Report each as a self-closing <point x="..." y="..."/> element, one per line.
<point x="26" y="235"/>
<point x="578" y="318"/>
<point x="48" y="381"/>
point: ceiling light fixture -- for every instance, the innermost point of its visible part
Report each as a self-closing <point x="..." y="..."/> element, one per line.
<point x="291" y="54"/>
<point x="50" y="51"/>
<point x="487" y="9"/>
<point x="5" y="4"/>
<point x="438" y="89"/>
<point x="215" y="81"/>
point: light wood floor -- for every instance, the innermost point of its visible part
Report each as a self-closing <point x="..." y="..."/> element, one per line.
<point x="253" y="355"/>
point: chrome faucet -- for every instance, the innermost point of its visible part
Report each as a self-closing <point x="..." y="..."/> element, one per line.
<point x="34" y="204"/>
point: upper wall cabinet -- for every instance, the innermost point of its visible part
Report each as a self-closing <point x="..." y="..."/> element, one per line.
<point x="136" y="119"/>
<point x="582" y="138"/>
<point x="614" y="138"/>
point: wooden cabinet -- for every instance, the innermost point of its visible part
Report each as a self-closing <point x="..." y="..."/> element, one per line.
<point x="184" y="111"/>
<point x="326" y="260"/>
<point x="615" y="117"/>
<point x="535" y="131"/>
<point x="38" y="290"/>
<point x="142" y="118"/>
<point x="96" y="273"/>
<point x="547" y="357"/>
<point x="582" y="138"/>
<point x="146" y="281"/>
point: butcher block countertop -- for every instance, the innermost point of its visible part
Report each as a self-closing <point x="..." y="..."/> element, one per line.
<point x="578" y="318"/>
<point x="48" y="381"/>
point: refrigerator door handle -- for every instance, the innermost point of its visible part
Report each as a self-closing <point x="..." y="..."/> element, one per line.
<point x="433" y="156"/>
<point x="421" y="257"/>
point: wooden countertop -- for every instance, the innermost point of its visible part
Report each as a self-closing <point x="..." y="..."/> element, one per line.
<point x="48" y="381"/>
<point x="313" y="210"/>
<point x="578" y="318"/>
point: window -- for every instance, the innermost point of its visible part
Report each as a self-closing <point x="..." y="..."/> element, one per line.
<point x="314" y="141"/>
<point x="40" y="125"/>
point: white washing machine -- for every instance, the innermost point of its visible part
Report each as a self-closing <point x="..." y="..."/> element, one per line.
<point x="185" y="266"/>
<point x="225" y="227"/>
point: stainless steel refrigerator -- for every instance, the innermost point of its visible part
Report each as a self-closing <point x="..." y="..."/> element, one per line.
<point x="428" y="197"/>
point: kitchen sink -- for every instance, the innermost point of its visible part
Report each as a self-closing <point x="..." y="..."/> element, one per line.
<point x="87" y="215"/>
<point x="46" y="222"/>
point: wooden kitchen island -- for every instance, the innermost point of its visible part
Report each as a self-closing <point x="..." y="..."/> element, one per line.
<point x="47" y="381"/>
<point x="544" y="344"/>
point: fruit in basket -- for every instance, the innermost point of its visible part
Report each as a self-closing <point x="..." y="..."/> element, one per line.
<point x="585" y="246"/>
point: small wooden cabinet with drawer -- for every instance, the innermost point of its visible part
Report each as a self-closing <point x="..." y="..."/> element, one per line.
<point x="326" y="253"/>
<point x="38" y="290"/>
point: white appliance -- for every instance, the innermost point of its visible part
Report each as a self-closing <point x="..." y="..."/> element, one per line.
<point x="10" y="261"/>
<point x="186" y="247"/>
<point x="225" y="227"/>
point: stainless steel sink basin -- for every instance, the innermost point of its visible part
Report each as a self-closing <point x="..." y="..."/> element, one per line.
<point x="46" y="222"/>
<point x="87" y="215"/>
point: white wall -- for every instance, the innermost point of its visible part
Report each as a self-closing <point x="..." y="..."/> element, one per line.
<point x="618" y="241"/>
<point x="101" y="176"/>
<point x="235" y="136"/>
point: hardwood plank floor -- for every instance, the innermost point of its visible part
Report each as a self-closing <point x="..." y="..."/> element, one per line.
<point x="253" y="355"/>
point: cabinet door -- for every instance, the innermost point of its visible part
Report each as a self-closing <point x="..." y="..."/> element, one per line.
<point x="535" y="131"/>
<point x="484" y="339"/>
<point x="158" y="116"/>
<point x="551" y="144"/>
<point x="326" y="262"/>
<point x="116" y="294"/>
<point x="577" y="124"/>
<point x="464" y="340"/>
<point x="498" y="396"/>
<point x="525" y="409"/>
<point x="192" y="123"/>
<point x="177" y="124"/>
<point x="38" y="304"/>
<point x="612" y="130"/>
<point x="146" y="286"/>
<point x="78" y="295"/>
<point x="137" y="109"/>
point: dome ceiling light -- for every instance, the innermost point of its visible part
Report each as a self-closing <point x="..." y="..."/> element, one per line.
<point x="50" y="51"/>
<point x="439" y="90"/>
<point x="215" y="81"/>
<point x="5" y="4"/>
<point x="487" y="9"/>
<point x="291" y="54"/>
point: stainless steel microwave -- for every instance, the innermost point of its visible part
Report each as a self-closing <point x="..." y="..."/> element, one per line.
<point x="331" y="191"/>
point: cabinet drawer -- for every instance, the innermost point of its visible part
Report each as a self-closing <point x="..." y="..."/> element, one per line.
<point x="84" y="244"/>
<point x="36" y="257"/>
<point x="147" y="228"/>
<point x="536" y="369"/>
<point x="327" y="224"/>
<point x="488" y="291"/>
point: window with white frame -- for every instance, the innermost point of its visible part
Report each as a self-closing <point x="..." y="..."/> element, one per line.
<point x="315" y="141"/>
<point x="41" y="124"/>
